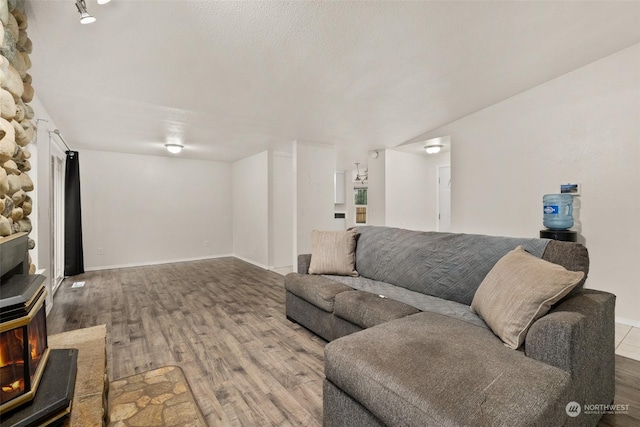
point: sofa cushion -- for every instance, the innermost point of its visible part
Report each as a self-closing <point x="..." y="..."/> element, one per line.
<point x="445" y="265"/>
<point x="318" y="321"/>
<point x="414" y="371"/>
<point x="333" y="252"/>
<point x="317" y="290"/>
<point x="415" y="299"/>
<point x="366" y="309"/>
<point x="519" y="290"/>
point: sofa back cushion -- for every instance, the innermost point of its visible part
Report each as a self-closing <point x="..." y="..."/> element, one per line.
<point x="445" y="265"/>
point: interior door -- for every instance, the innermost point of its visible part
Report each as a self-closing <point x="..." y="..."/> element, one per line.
<point x="57" y="215"/>
<point x="444" y="198"/>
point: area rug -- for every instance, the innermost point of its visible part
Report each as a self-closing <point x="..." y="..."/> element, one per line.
<point x="161" y="397"/>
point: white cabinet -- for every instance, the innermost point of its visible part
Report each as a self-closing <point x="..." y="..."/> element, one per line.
<point x="339" y="184"/>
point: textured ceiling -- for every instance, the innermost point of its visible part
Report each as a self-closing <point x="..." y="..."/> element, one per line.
<point x="231" y="79"/>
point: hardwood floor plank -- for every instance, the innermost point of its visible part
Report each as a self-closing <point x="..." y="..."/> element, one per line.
<point x="223" y="322"/>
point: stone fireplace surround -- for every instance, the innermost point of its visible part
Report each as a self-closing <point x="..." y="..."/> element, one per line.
<point x="17" y="128"/>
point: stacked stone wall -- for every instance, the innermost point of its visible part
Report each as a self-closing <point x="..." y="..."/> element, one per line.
<point x="17" y="127"/>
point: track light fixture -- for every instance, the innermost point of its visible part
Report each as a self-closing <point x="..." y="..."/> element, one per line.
<point x="85" y="18"/>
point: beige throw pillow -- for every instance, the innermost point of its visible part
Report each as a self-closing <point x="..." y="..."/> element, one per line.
<point x="519" y="290"/>
<point x="333" y="252"/>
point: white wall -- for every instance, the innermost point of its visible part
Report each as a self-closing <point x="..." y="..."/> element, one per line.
<point x="281" y="212"/>
<point x="144" y="209"/>
<point x="582" y="127"/>
<point x="263" y="209"/>
<point x="251" y="209"/>
<point x="376" y="189"/>
<point x="411" y="189"/>
<point x="314" y="165"/>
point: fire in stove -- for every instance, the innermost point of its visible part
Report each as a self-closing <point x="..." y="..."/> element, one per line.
<point x="11" y="363"/>
<point x="23" y="354"/>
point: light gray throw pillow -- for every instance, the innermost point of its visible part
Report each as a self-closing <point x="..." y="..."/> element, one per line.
<point x="520" y="289"/>
<point x="333" y="252"/>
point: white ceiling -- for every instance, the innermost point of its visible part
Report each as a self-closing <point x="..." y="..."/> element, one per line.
<point x="232" y="79"/>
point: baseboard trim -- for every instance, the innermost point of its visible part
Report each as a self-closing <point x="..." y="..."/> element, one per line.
<point x="265" y="267"/>
<point x="628" y="322"/>
<point x="279" y="270"/>
<point x="250" y="261"/>
<point x="171" y="261"/>
<point x="143" y="264"/>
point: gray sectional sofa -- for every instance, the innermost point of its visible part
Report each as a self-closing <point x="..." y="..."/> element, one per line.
<point x="406" y="349"/>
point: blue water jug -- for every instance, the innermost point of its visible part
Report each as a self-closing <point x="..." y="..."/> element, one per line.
<point x="558" y="211"/>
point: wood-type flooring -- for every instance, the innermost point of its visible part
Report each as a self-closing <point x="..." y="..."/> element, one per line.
<point x="223" y="322"/>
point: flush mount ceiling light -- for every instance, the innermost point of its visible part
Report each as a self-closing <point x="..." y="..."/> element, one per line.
<point x="85" y="18"/>
<point x="433" y="148"/>
<point x="103" y="1"/>
<point x="174" y="148"/>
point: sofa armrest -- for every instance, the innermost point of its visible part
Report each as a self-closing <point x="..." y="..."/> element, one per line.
<point x="304" y="261"/>
<point x="577" y="336"/>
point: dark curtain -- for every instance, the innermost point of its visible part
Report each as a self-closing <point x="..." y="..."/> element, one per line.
<point x="73" y="255"/>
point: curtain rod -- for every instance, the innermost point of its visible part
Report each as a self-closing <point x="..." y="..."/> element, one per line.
<point x="57" y="132"/>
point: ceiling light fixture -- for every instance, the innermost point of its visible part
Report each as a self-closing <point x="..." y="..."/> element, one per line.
<point x="85" y="18"/>
<point x="433" y="149"/>
<point x="174" y="148"/>
<point x="103" y="1"/>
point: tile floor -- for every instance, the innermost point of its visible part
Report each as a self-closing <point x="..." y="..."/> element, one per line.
<point x="628" y="341"/>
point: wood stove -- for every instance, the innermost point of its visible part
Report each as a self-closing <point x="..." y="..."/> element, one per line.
<point x="23" y="356"/>
<point x="24" y="350"/>
<point x="23" y="325"/>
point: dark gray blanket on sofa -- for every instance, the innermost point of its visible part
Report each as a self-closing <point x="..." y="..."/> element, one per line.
<point x="445" y="265"/>
<point x="415" y="299"/>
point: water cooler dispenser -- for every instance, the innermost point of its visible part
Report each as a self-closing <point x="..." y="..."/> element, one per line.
<point x="558" y="217"/>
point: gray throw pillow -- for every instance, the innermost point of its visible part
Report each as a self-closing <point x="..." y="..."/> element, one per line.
<point x="520" y="289"/>
<point x="333" y="252"/>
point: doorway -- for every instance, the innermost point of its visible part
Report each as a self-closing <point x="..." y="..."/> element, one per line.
<point x="58" y="158"/>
